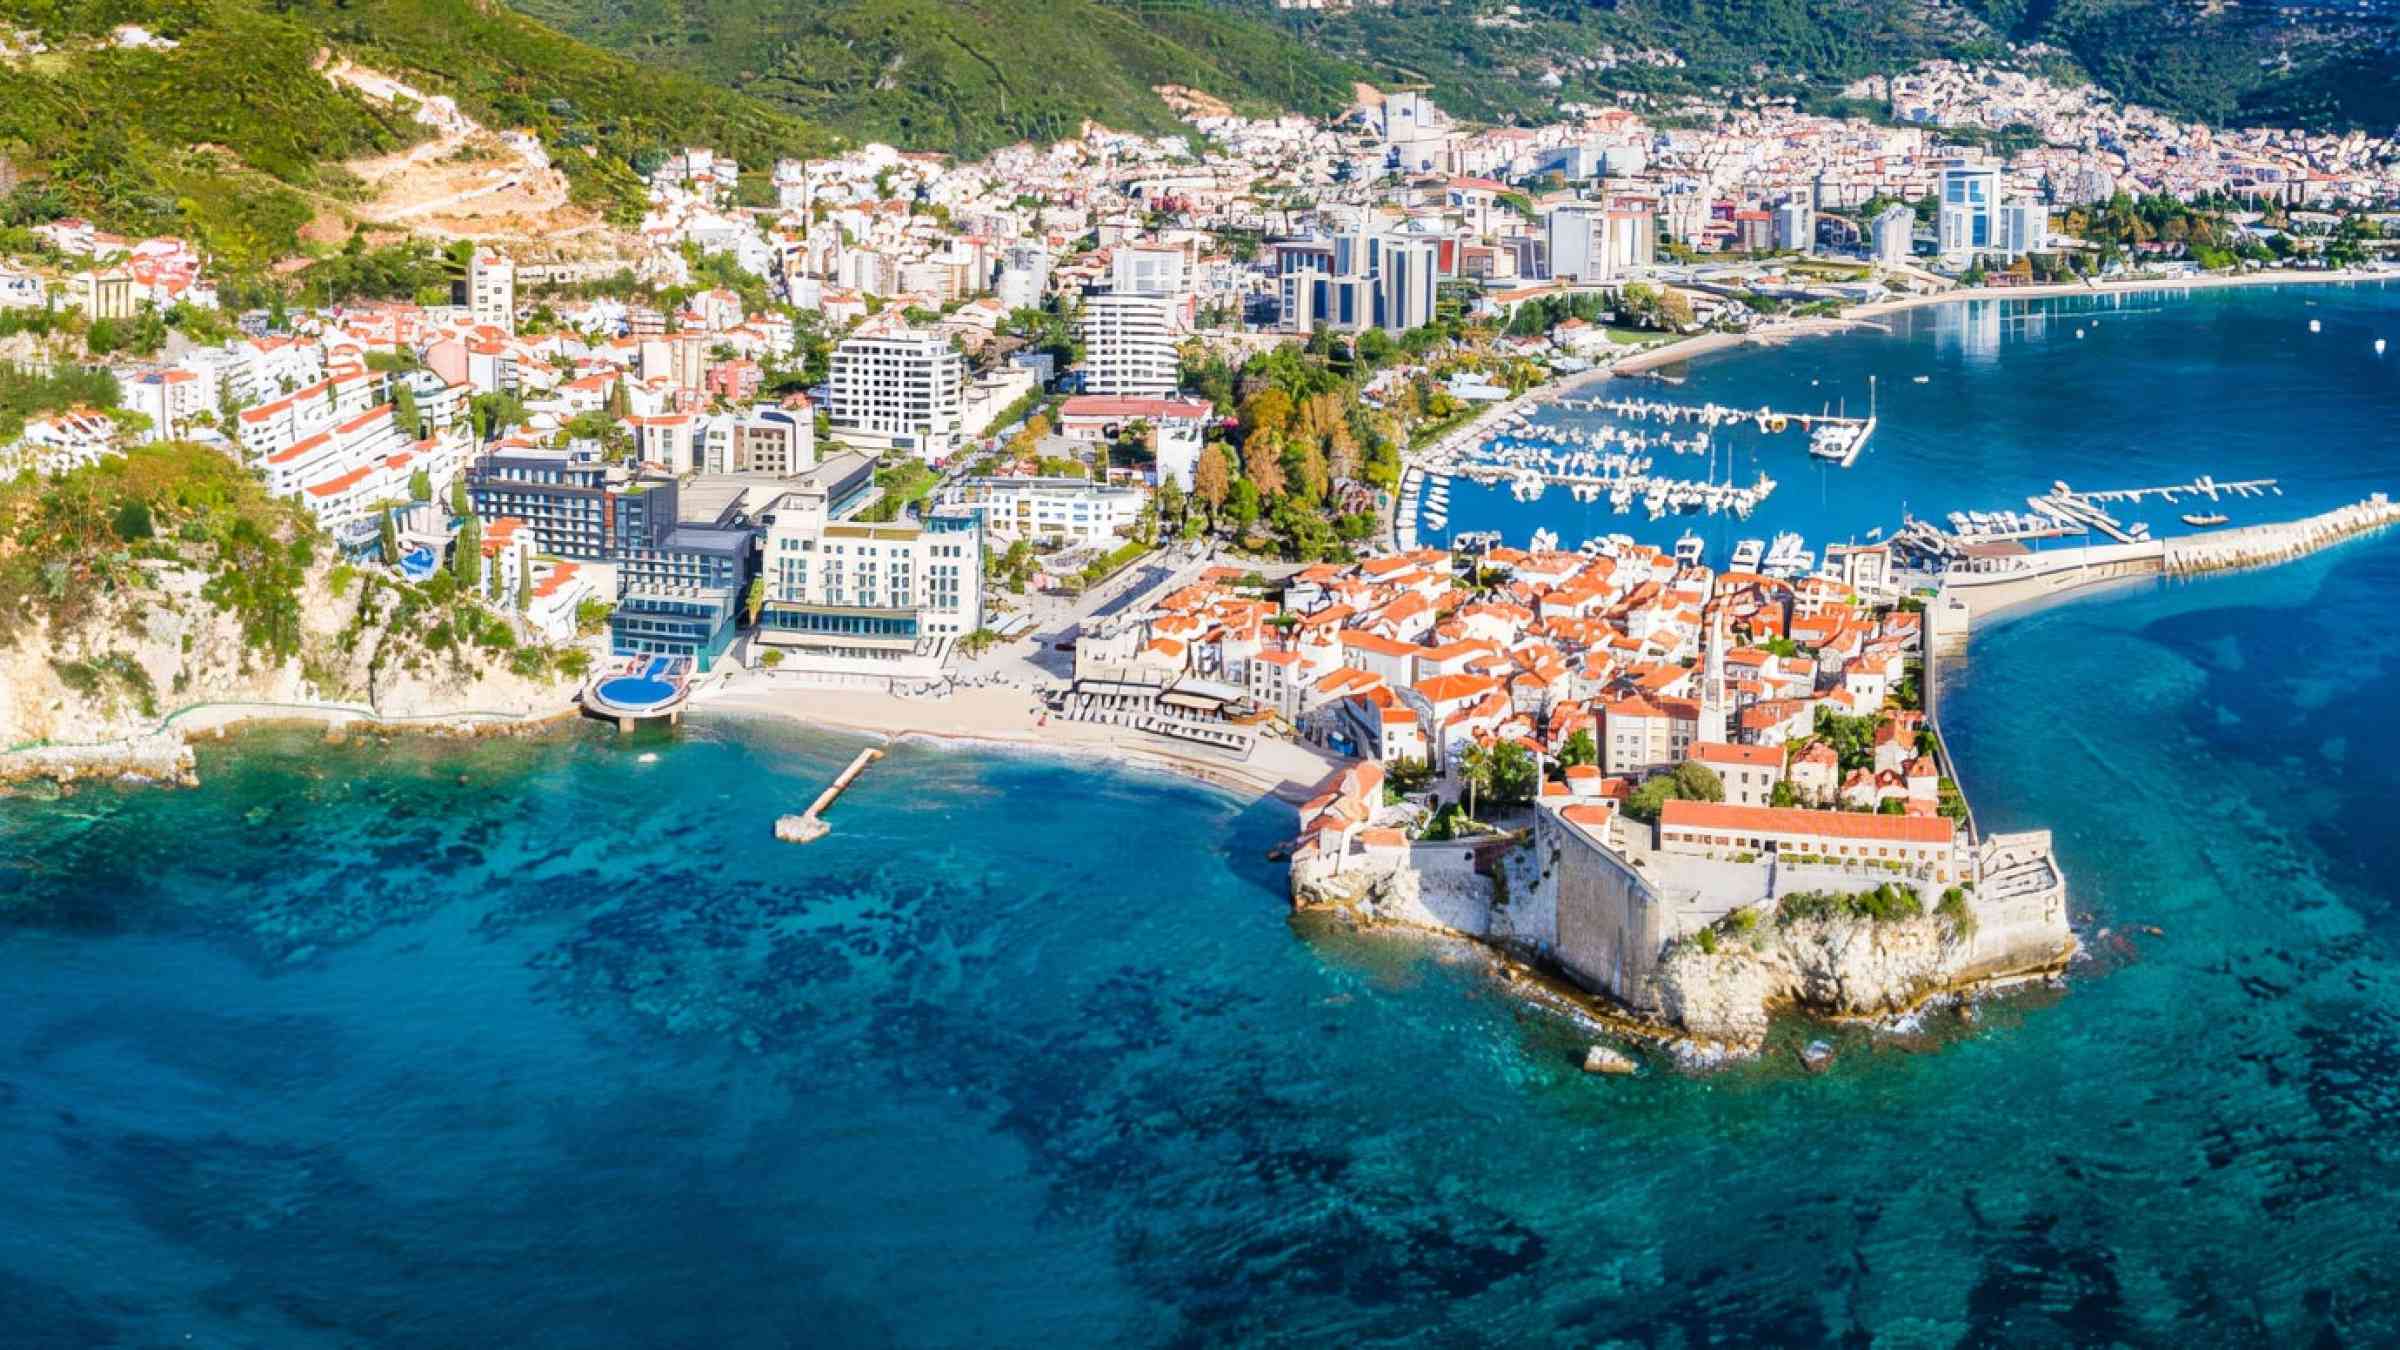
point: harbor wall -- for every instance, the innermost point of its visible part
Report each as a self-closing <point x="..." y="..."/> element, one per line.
<point x="2050" y="573"/>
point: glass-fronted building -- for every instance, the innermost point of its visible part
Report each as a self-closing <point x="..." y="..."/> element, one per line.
<point x="690" y="622"/>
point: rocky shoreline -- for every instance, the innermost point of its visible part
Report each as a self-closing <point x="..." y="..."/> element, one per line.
<point x="164" y="758"/>
<point x="1541" y="983"/>
<point x="1705" y="1004"/>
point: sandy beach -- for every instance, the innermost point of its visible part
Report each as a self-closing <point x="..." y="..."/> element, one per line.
<point x="1011" y="719"/>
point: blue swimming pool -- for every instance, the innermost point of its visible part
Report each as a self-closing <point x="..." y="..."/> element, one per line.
<point x="635" y="693"/>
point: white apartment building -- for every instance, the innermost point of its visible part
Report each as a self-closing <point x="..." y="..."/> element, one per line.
<point x="170" y="398"/>
<point x="1129" y="345"/>
<point x="492" y="290"/>
<point x="1796" y="227"/>
<point x="2021" y="228"/>
<point x="1970" y="194"/>
<point x="902" y="391"/>
<point x="1024" y="277"/>
<point x="1895" y="235"/>
<point x="1591" y="242"/>
<point x="273" y="427"/>
<point x="864" y="599"/>
<point x="768" y="440"/>
<point x="1073" y="510"/>
<point x="1147" y="271"/>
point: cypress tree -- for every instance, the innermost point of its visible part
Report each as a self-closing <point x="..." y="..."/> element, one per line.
<point x="466" y="556"/>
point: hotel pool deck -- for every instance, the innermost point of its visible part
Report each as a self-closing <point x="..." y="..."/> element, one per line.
<point x="643" y="687"/>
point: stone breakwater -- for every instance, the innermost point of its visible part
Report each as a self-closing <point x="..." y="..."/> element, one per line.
<point x="2265" y="545"/>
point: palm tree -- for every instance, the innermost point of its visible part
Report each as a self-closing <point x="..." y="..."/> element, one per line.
<point x="1475" y="769"/>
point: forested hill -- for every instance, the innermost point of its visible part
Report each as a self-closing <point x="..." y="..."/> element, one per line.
<point x="970" y="75"/>
<point x="967" y="75"/>
<point x="2310" y="63"/>
<point x="231" y="135"/>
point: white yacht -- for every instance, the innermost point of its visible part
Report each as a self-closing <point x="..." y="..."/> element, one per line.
<point x="1748" y="553"/>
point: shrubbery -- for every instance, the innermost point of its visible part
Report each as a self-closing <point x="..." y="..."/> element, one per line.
<point x="1888" y="903"/>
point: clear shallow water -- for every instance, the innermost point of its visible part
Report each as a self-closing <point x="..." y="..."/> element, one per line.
<point x="342" y="1050"/>
<point x="2159" y="389"/>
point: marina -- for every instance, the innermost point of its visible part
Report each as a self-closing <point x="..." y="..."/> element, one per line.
<point x="1832" y="436"/>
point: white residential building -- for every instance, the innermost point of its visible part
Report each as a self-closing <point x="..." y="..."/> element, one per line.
<point x="1895" y="235"/>
<point x="902" y="391"/>
<point x="1969" y="195"/>
<point x="492" y="290"/>
<point x="1140" y="270"/>
<point x="1073" y="510"/>
<point x="1129" y="344"/>
<point x="2022" y="228"/>
<point x="780" y="442"/>
<point x="867" y="599"/>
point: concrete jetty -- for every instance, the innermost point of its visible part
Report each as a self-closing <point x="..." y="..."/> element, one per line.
<point x="809" y="826"/>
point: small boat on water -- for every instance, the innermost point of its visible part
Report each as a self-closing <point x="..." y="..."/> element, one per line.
<point x="1748" y="553"/>
<point x="1689" y="548"/>
<point x="2315" y="326"/>
<point x="1924" y="379"/>
<point x="2204" y="522"/>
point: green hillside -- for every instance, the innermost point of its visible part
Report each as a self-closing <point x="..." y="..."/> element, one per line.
<point x="233" y="138"/>
<point x="967" y="75"/>
<point x="2312" y="66"/>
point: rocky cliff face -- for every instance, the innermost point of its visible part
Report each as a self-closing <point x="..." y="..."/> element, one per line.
<point x="1844" y="967"/>
<point x="1369" y="893"/>
<point x="162" y="646"/>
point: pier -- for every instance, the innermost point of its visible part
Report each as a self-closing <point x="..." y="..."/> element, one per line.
<point x="2203" y="486"/>
<point x="809" y="826"/>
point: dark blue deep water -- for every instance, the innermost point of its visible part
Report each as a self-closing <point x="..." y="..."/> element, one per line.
<point x="538" y="1044"/>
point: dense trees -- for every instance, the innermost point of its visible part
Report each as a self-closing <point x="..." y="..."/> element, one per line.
<point x="1689" y="781"/>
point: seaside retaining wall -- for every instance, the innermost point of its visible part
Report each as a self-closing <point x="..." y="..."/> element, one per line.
<point x="1612" y="925"/>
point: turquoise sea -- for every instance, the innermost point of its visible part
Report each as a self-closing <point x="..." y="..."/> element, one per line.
<point x="540" y="1044"/>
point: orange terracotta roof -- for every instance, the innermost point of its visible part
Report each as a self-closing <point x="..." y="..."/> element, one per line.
<point x="1792" y="820"/>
